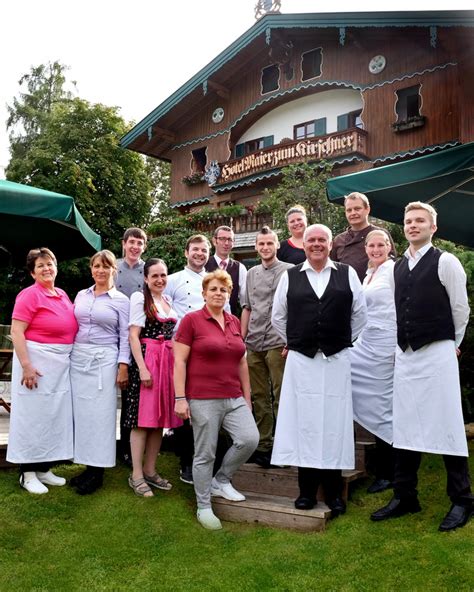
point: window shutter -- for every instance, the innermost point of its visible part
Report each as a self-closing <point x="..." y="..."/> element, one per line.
<point x="320" y="127"/>
<point x="268" y="141"/>
<point x="342" y="122"/>
<point x="239" y="150"/>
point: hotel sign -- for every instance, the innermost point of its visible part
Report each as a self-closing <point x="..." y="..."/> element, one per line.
<point x="310" y="149"/>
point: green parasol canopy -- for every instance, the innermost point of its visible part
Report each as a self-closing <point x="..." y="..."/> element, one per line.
<point x="32" y="217"/>
<point x="444" y="179"/>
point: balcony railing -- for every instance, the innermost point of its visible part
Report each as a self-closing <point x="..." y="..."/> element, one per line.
<point x="240" y="224"/>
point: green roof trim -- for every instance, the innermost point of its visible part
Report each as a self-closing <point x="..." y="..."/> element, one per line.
<point x="435" y="18"/>
<point x="190" y="202"/>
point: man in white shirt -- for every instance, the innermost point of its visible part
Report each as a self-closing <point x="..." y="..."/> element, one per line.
<point x="185" y="290"/>
<point x="432" y="315"/>
<point x="319" y="309"/>
<point x="223" y="241"/>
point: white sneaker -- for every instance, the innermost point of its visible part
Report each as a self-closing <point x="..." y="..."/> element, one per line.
<point x="226" y="491"/>
<point x="208" y="519"/>
<point x="31" y="483"/>
<point x="49" y="478"/>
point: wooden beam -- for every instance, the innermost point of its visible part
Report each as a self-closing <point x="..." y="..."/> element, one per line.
<point x="220" y="90"/>
<point x="163" y="133"/>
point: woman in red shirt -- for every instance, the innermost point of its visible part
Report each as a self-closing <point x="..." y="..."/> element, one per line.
<point x="212" y="388"/>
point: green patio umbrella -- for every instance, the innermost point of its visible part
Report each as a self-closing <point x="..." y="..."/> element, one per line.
<point x="444" y="179"/>
<point x="32" y="217"/>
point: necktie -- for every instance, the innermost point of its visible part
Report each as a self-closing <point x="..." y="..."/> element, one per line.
<point x="223" y="265"/>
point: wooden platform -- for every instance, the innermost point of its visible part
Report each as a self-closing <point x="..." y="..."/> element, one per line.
<point x="271" y="510"/>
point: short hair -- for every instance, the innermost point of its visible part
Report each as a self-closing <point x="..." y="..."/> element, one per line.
<point x="221" y="276"/>
<point x="224" y="228"/>
<point x="296" y="209"/>
<point x="380" y="232"/>
<point x="197" y="238"/>
<point x="106" y="257"/>
<point x="34" y="254"/>
<point x="267" y="230"/>
<point x="419" y="205"/>
<point x="357" y="195"/>
<point x="322" y="227"/>
<point x="135" y="232"/>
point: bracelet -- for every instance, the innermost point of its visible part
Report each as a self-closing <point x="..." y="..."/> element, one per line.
<point x="179" y="398"/>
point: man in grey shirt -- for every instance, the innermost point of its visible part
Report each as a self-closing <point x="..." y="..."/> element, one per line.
<point x="129" y="280"/>
<point x="265" y="348"/>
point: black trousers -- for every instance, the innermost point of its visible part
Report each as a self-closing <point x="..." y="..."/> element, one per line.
<point x="309" y="481"/>
<point x="407" y="463"/>
<point x="184" y="444"/>
<point x="124" y="448"/>
<point x="384" y="460"/>
<point x="42" y="467"/>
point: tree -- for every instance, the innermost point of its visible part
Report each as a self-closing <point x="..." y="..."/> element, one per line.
<point x="303" y="184"/>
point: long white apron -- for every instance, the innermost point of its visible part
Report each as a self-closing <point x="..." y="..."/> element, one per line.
<point x="94" y="397"/>
<point x="427" y="411"/>
<point x="41" y="418"/>
<point x="372" y="362"/>
<point x="314" y="426"/>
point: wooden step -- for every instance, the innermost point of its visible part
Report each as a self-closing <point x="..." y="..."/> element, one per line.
<point x="281" y="481"/>
<point x="271" y="510"/>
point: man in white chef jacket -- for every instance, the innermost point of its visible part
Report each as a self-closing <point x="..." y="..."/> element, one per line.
<point x="319" y="309"/>
<point x="432" y="315"/>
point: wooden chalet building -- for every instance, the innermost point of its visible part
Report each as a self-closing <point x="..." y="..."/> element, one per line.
<point x="358" y="89"/>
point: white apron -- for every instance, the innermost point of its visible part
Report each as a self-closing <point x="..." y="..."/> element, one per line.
<point x="41" y="418"/>
<point x="427" y="412"/>
<point x="372" y="362"/>
<point x="94" y="396"/>
<point x="314" y="425"/>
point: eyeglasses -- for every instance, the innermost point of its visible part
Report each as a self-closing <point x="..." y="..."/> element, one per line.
<point x="223" y="239"/>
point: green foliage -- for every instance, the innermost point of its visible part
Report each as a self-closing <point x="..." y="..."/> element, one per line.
<point x="303" y="184"/>
<point x="170" y="248"/>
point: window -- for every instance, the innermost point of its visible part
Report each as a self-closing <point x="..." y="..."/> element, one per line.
<point x="348" y="120"/>
<point x="311" y="63"/>
<point x="199" y="160"/>
<point x="309" y="129"/>
<point x="270" y="78"/>
<point x="408" y="103"/>
<point x="253" y="146"/>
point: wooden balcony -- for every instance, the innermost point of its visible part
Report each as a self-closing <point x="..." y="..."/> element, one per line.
<point x="240" y="224"/>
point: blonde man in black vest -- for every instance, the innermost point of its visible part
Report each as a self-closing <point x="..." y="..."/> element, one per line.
<point x="223" y="241"/>
<point x="432" y="315"/>
<point x="319" y="310"/>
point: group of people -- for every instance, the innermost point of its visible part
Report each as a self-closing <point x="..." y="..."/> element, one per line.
<point x="330" y="331"/>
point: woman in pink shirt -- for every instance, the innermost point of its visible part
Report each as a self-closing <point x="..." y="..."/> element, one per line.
<point x="43" y="331"/>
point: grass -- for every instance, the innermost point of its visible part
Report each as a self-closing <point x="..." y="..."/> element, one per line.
<point x="115" y="541"/>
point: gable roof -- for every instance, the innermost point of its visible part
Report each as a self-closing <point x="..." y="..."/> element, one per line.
<point x="270" y="22"/>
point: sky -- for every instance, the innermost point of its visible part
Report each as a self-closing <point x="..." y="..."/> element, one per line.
<point x="135" y="53"/>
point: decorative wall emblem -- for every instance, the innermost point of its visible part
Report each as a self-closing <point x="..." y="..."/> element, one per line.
<point x="212" y="172"/>
<point x="218" y="115"/>
<point x="377" y="64"/>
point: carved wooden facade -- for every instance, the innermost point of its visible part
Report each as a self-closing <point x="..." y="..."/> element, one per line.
<point x="410" y="75"/>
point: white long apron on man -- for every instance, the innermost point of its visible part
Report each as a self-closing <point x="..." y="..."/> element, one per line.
<point x="94" y="394"/>
<point x="427" y="411"/>
<point x="315" y="426"/>
<point x="41" y="418"/>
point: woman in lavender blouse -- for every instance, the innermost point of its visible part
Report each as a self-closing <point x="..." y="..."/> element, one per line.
<point x="99" y="362"/>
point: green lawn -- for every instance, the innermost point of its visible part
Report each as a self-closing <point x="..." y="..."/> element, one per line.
<point x="114" y="540"/>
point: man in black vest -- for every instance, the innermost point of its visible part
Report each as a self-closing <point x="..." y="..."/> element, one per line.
<point x="319" y="309"/>
<point x="432" y="315"/>
<point x="223" y="241"/>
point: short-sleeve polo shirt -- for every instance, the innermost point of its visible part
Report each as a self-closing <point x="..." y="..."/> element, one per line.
<point x="212" y="370"/>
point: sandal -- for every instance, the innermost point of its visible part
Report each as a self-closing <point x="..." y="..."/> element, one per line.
<point x="140" y="487"/>
<point x="157" y="481"/>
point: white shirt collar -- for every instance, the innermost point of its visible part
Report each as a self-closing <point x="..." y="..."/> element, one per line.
<point x="419" y="254"/>
<point x="113" y="292"/>
<point x="201" y="273"/>
<point x="218" y="259"/>
<point x="329" y="263"/>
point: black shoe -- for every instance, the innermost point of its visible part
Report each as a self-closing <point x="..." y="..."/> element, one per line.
<point x="78" y="479"/>
<point x="304" y="503"/>
<point x="379" y="485"/>
<point x="456" y="517"/>
<point x="93" y="483"/>
<point x="126" y="459"/>
<point x="337" y="507"/>
<point x="262" y="459"/>
<point x="186" y="475"/>
<point x="396" y="508"/>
